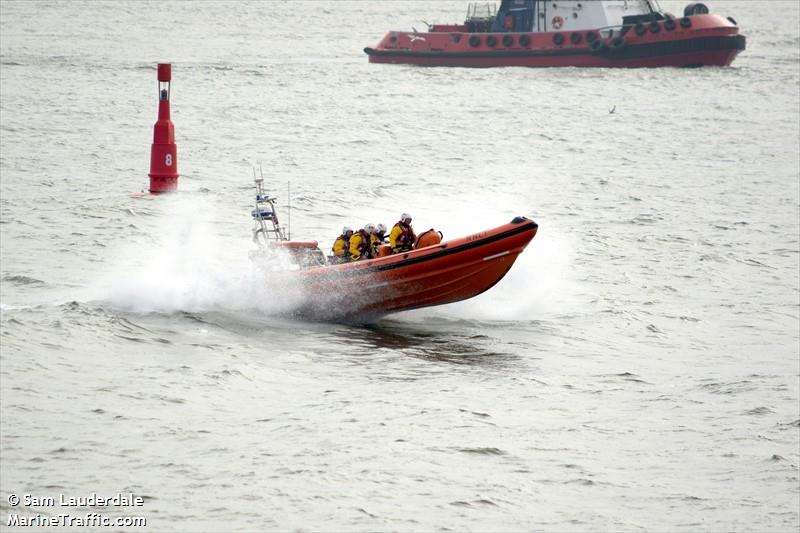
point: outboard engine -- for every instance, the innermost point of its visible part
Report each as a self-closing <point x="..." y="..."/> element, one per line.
<point x="695" y="8"/>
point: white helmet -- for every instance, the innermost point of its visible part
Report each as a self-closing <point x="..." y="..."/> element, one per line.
<point x="405" y="217"/>
<point x="381" y="228"/>
<point x="346" y="230"/>
<point x="369" y="228"/>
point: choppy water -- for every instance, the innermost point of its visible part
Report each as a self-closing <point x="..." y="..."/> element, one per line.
<point x="637" y="369"/>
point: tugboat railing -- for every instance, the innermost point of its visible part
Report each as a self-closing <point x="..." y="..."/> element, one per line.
<point x="472" y="10"/>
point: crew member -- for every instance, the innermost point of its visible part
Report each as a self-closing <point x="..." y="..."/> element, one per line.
<point x="402" y="237"/>
<point x="380" y="233"/>
<point x="378" y="238"/>
<point x="360" y="243"/>
<point x="341" y="246"/>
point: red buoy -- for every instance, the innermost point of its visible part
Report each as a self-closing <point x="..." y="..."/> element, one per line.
<point x="163" y="152"/>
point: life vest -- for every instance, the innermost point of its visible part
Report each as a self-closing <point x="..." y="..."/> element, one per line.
<point x="375" y="240"/>
<point x="341" y="246"/>
<point x="404" y="239"/>
<point x="361" y="241"/>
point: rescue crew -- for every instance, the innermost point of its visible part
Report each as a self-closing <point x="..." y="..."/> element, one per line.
<point x="402" y="237"/>
<point x="378" y="238"/>
<point x="380" y="233"/>
<point x="360" y="243"/>
<point x="341" y="246"/>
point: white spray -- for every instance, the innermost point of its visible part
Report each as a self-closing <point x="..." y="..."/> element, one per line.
<point x="193" y="267"/>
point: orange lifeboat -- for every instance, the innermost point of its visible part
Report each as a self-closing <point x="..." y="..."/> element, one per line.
<point x="437" y="274"/>
<point x="433" y="273"/>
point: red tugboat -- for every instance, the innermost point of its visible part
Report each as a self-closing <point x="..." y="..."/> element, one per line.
<point x="569" y="33"/>
<point x="433" y="273"/>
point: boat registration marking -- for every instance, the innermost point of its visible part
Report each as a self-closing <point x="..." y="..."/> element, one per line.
<point x="495" y="256"/>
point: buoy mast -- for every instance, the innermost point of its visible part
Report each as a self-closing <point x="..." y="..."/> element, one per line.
<point x="163" y="152"/>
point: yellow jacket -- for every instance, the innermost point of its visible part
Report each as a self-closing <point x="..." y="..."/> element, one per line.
<point x="374" y="242"/>
<point x="340" y="246"/>
<point x="402" y="237"/>
<point x="359" y="245"/>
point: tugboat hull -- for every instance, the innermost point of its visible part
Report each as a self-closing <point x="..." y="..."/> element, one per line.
<point x="700" y="40"/>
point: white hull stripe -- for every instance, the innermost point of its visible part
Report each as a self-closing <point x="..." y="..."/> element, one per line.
<point x="495" y="256"/>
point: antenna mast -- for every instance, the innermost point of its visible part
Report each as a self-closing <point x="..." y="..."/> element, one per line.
<point x="265" y="213"/>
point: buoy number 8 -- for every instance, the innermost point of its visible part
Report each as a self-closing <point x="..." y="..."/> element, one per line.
<point x="168" y="160"/>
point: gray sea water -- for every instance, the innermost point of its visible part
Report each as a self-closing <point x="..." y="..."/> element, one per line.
<point x="638" y="369"/>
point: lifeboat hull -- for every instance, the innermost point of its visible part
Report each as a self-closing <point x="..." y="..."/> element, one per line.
<point x="439" y="274"/>
<point x="699" y="40"/>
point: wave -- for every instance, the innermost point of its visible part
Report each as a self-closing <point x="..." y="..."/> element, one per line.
<point x="22" y="280"/>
